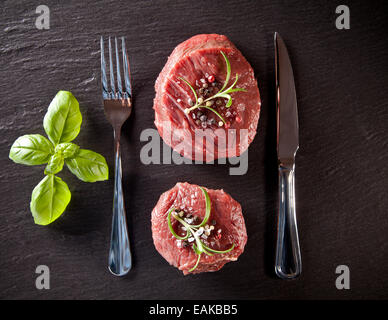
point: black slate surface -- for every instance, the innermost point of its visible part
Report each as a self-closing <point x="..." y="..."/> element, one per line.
<point x="341" y="177"/>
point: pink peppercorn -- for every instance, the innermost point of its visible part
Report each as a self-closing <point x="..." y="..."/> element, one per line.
<point x="211" y="78"/>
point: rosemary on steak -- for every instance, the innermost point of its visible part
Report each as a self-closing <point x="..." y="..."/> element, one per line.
<point x="224" y="92"/>
<point x="195" y="231"/>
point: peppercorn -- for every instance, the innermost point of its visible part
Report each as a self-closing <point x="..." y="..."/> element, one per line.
<point x="211" y="121"/>
<point x="203" y="118"/>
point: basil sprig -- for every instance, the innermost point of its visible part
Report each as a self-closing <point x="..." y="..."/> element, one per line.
<point x="191" y="231"/>
<point x="62" y="123"/>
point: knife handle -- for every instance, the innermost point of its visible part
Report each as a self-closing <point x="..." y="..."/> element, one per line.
<point x="288" y="264"/>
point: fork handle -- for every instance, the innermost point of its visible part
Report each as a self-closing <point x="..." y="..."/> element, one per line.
<point x="120" y="260"/>
<point x="288" y="264"/>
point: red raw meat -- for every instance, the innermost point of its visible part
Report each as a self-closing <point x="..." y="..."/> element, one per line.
<point x="200" y="58"/>
<point x="226" y="215"/>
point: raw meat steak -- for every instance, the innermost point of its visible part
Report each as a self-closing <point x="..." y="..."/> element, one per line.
<point x="225" y="217"/>
<point x="199" y="61"/>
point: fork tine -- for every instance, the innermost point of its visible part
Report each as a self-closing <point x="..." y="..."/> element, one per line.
<point x="112" y="75"/>
<point x="118" y="75"/>
<point x="104" y="81"/>
<point x="127" y="72"/>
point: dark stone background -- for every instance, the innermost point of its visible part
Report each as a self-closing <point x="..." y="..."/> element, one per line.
<point x="341" y="177"/>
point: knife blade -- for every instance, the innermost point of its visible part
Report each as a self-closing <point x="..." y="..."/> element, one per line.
<point x="287" y="110"/>
<point x="288" y="264"/>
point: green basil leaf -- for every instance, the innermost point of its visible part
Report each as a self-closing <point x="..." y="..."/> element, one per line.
<point x="49" y="199"/>
<point x="67" y="149"/>
<point x="88" y="166"/>
<point x="32" y="149"/>
<point x="63" y="119"/>
<point x="55" y="164"/>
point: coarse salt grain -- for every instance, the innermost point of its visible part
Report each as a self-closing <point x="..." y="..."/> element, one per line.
<point x="188" y="220"/>
<point x="200" y="231"/>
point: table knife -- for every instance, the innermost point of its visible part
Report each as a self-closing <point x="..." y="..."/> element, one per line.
<point x="288" y="264"/>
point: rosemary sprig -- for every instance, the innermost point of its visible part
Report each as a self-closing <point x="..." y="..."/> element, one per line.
<point x="223" y="93"/>
<point x="191" y="230"/>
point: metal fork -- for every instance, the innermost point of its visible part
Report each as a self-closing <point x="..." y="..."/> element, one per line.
<point x="118" y="107"/>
